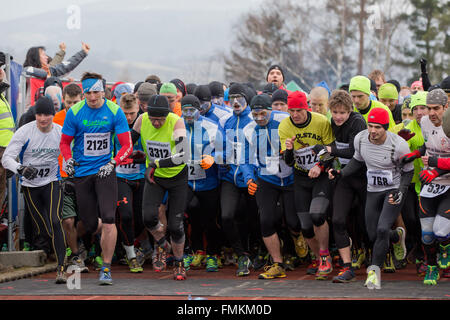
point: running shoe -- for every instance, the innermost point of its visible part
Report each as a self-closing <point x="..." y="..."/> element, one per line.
<point x="211" y="264"/>
<point x="140" y="256"/>
<point x="244" y="264"/>
<point x="105" y="276"/>
<point x="273" y="271"/>
<point x="230" y="258"/>
<point x="358" y="259"/>
<point x="179" y="272"/>
<point x="421" y="268"/>
<point x="98" y="263"/>
<point x="61" y="276"/>
<point x="313" y="267"/>
<point x="388" y="266"/>
<point x="159" y="260"/>
<point x="325" y="268"/>
<point x="372" y="281"/>
<point x="260" y="261"/>
<point x="432" y="275"/>
<point x="187" y="260"/>
<point x="134" y="266"/>
<point x="199" y="259"/>
<point x="79" y="264"/>
<point x="444" y="256"/>
<point x="301" y="247"/>
<point x="446" y="273"/>
<point x="345" y="275"/>
<point x="400" y="247"/>
<point x="288" y="262"/>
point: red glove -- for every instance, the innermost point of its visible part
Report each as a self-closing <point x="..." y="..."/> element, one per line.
<point x="406" y="134"/>
<point x="252" y="187"/>
<point x="409" y="157"/>
<point x="426" y="176"/>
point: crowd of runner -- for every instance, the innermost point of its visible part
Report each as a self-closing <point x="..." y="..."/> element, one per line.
<point x="198" y="176"/>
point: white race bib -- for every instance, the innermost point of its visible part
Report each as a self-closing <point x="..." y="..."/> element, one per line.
<point x="158" y="150"/>
<point x="305" y="159"/>
<point x="130" y="168"/>
<point x="433" y="190"/>
<point x="196" y="172"/>
<point x="97" y="144"/>
<point x="341" y="145"/>
<point x="44" y="172"/>
<point x="276" y="166"/>
<point x="379" y="178"/>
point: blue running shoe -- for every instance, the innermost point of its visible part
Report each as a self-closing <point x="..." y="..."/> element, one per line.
<point x="105" y="276"/>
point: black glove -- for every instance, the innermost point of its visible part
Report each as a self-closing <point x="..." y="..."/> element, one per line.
<point x="68" y="187"/>
<point x="397" y="196"/>
<point x="138" y="156"/>
<point x="423" y="65"/>
<point x="70" y="167"/>
<point x="28" y="172"/>
<point x="336" y="173"/>
<point x="319" y="149"/>
<point x="106" y="170"/>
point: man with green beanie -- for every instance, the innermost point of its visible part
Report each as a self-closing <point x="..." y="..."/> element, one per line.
<point x="169" y="90"/>
<point x="359" y="89"/>
<point x="388" y="95"/>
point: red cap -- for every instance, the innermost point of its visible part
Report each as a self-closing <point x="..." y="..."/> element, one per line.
<point x="297" y="99"/>
<point x="378" y="116"/>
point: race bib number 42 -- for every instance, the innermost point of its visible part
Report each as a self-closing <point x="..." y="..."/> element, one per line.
<point x="97" y="144"/>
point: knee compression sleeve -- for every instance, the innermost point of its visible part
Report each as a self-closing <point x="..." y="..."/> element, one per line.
<point x="176" y="229"/>
<point x="318" y="209"/>
<point x="441" y="228"/>
<point x="427" y="230"/>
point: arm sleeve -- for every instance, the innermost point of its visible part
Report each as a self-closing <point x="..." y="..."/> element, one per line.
<point x="126" y="149"/>
<point x="352" y="167"/>
<point x="12" y="151"/>
<point x="443" y="163"/>
<point x="64" y="146"/>
<point x="181" y="156"/>
<point x="65" y="67"/>
<point x="405" y="180"/>
<point x="288" y="157"/>
<point x="135" y="136"/>
<point x="58" y="58"/>
<point x="425" y="81"/>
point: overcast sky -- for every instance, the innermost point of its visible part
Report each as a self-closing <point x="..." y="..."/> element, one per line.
<point x="128" y="38"/>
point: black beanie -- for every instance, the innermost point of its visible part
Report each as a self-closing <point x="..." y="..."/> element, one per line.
<point x="445" y="84"/>
<point x="251" y="92"/>
<point x="262" y="101"/>
<point x="190" y="88"/>
<point x="216" y="89"/>
<point x="190" y="100"/>
<point x="396" y="84"/>
<point x="238" y="88"/>
<point x="44" y="105"/>
<point x="52" y="81"/>
<point x="203" y="93"/>
<point x="275" y="66"/>
<point x="179" y="85"/>
<point x="270" y="88"/>
<point x="158" y="106"/>
<point x="136" y="86"/>
<point x="280" y="95"/>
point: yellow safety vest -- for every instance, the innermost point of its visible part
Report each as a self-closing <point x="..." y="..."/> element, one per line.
<point x="7" y="125"/>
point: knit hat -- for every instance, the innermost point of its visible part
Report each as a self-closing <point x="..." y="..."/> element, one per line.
<point x="388" y="91"/>
<point x="190" y="100"/>
<point x="122" y="89"/>
<point x="158" y="106"/>
<point x="418" y="99"/>
<point x="238" y="88"/>
<point x="396" y="84"/>
<point x="203" y="93"/>
<point x="216" y="89"/>
<point x="360" y="83"/>
<point x="145" y="91"/>
<point x="297" y="99"/>
<point x="277" y="67"/>
<point x="445" y="84"/>
<point x="270" y="88"/>
<point x="280" y="95"/>
<point x="153" y="79"/>
<point x="168" y="87"/>
<point x="379" y="116"/>
<point x="44" y="105"/>
<point x="417" y="83"/>
<point x="190" y="88"/>
<point x="179" y="85"/>
<point x="137" y="85"/>
<point x="437" y="96"/>
<point x="261" y="101"/>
